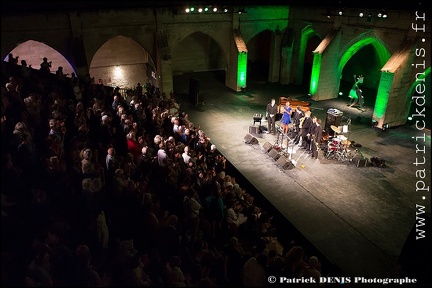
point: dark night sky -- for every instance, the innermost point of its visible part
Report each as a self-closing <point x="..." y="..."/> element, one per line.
<point x="17" y="6"/>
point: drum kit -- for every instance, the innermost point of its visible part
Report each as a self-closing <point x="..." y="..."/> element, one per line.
<point x="337" y="147"/>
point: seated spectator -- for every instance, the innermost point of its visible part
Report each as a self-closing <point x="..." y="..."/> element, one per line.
<point x="255" y="271"/>
<point x="85" y="275"/>
<point x="232" y="216"/>
<point x="174" y="273"/>
<point x="313" y="270"/>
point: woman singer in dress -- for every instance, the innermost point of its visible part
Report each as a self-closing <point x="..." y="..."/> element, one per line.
<point x="286" y="117"/>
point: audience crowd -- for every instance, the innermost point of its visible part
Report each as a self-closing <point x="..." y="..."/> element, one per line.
<point x="101" y="189"/>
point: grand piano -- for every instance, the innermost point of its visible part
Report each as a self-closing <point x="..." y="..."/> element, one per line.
<point x="294" y="103"/>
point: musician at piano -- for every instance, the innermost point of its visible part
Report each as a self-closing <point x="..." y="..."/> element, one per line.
<point x="286" y="117"/>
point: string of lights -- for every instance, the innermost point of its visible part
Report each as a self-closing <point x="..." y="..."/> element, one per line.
<point x="211" y="9"/>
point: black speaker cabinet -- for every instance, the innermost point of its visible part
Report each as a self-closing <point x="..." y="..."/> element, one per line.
<point x="267" y="146"/>
<point x="288" y="165"/>
<point x="194" y="89"/>
<point x="254" y="129"/>
<point x="274" y="154"/>
<point x="285" y="163"/>
<point x="282" y="160"/>
<point x="334" y="118"/>
<point x="249" y="139"/>
<point x="360" y="162"/>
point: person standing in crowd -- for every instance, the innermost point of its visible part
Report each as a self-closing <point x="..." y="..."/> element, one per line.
<point x="271" y="112"/>
<point x="45" y="66"/>
<point x="286" y="117"/>
<point x="12" y="59"/>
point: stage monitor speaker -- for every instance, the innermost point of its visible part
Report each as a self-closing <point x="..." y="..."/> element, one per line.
<point x="267" y="146"/>
<point x="285" y="163"/>
<point x="254" y="129"/>
<point x="274" y="154"/>
<point x="194" y="87"/>
<point x="249" y="139"/>
<point x="288" y="165"/>
<point x="282" y="160"/>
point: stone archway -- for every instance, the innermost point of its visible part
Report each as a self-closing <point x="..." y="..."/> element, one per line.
<point x="33" y="53"/>
<point x="122" y="62"/>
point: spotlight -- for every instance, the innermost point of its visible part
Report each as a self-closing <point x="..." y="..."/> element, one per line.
<point x="187" y="10"/>
<point x="361" y="14"/>
<point x="341" y="12"/>
<point x="205" y="9"/>
<point x="215" y="9"/>
<point x="374" y="123"/>
<point x="340" y="93"/>
<point x="241" y="10"/>
<point x="369" y="19"/>
<point x="382" y="14"/>
<point x="328" y="14"/>
<point x="192" y="9"/>
<point x="410" y="118"/>
<point x="385" y="127"/>
<point x="225" y="9"/>
<point x="200" y="10"/>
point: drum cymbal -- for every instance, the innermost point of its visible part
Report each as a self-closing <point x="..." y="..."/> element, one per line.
<point x="335" y="129"/>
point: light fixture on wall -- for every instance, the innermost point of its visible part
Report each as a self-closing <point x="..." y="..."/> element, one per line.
<point x="241" y="11"/>
<point x="341" y="12"/>
<point x="369" y="18"/>
<point x="361" y="13"/>
<point x="382" y="14"/>
<point x="328" y="14"/>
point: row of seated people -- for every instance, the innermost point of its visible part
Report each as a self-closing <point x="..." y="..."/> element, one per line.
<point x="97" y="191"/>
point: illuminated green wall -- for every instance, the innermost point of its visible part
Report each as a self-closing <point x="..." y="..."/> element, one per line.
<point x="241" y="69"/>
<point x="382" y="52"/>
<point x="383" y="95"/>
<point x="316" y="68"/>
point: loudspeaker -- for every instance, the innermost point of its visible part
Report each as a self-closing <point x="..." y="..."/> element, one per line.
<point x="194" y="87"/>
<point x="360" y="162"/>
<point x="249" y="139"/>
<point x="254" y="129"/>
<point x="285" y="163"/>
<point x="267" y="146"/>
<point x="282" y="160"/>
<point x="333" y="118"/>
<point x="274" y="154"/>
<point x="288" y="165"/>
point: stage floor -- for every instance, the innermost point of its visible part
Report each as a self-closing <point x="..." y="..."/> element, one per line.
<point x="359" y="218"/>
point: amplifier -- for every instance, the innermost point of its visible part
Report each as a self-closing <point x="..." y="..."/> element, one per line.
<point x="360" y="162"/>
